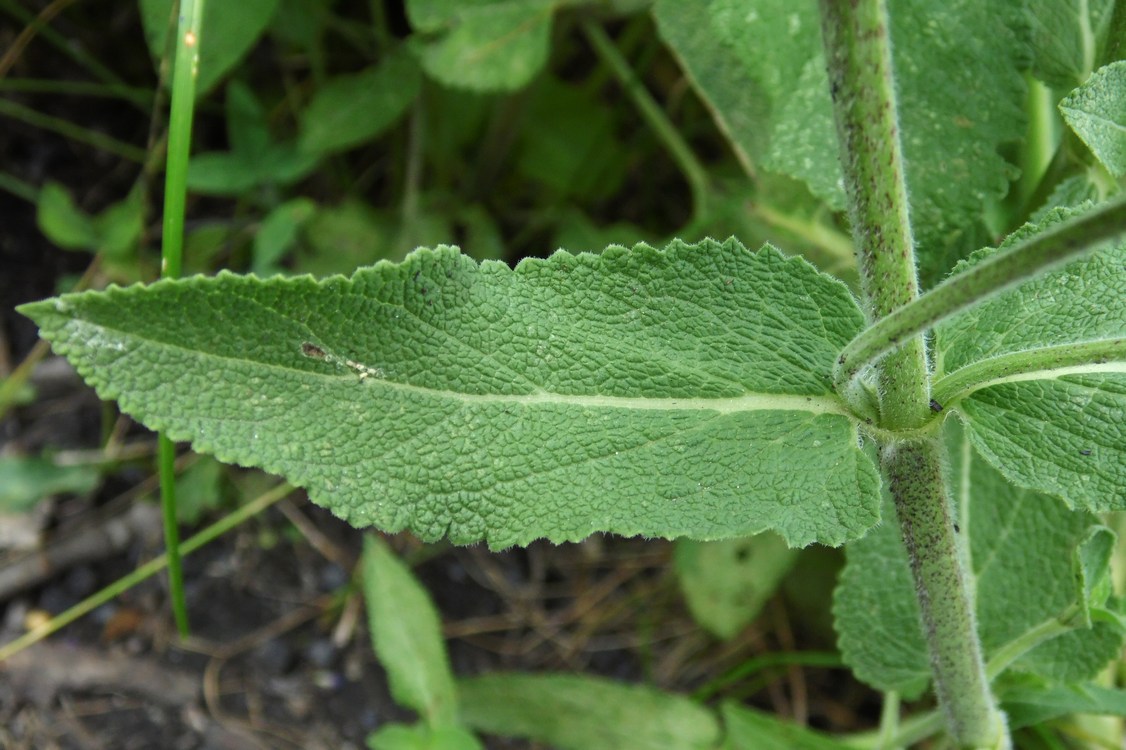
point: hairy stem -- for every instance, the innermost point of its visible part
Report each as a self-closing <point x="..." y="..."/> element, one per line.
<point x="858" y="53"/>
<point x="1104" y="355"/>
<point x="1063" y="242"/>
<point x="913" y="470"/>
<point x="859" y="58"/>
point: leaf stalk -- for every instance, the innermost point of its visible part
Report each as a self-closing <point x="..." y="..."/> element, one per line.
<point x="1064" y="242"/>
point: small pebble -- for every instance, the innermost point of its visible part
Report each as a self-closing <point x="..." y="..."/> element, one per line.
<point x="321" y="653"/>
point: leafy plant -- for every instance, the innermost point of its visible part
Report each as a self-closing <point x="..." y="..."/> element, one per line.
<point x="704" y="390"/>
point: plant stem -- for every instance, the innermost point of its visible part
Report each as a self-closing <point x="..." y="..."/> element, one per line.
<point x="1062" y="242"/>
<point x="184" y="74"/>
<point x="1103" y="355"/>
<point x="655" y="117"/>
<point x="68" y="129"/>
<point x="855" y="34"/>
<point x="149" y="569"/>
<point x="859" y="59"/>
<point x="913" y="470"/>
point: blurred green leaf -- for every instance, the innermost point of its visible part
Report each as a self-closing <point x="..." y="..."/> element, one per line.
<point x="25" y="480"/>
<point x="1096" y="111"/>
<point x="197" y="489"/>
<point x="726" y="583"/>
<point x="1067" y="39"/>
<point x="62" y="221"/>
<point x="119" y="227"/>
<point x="344" y="237"/>
<point x="277" y="233"/>
<point x="1036" y="704"/>
<point x="422" y="737"/>
<point x="486" y="45"/>
<point x="115" y="231"/>
<point x="568" y="143"/>
<point x="572" y="712"/>
<point x="352" y="109"/>
<point x="407" y="635"/>
<point x="748" y="729"/>
<point x="247" y="130"/>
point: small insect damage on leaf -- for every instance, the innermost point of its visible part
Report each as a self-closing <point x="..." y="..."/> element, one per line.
<point x="313" y="351"/>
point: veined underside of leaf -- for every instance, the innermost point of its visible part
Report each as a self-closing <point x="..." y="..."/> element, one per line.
<point x="675" y="392"/>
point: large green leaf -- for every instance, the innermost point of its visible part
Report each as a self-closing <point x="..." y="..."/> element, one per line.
<point x="1067" y="39"/>
<point x="407" y="635"/>
<point x="572" y="712"/>
<point x="1096" y="111"/>
<point x="675" y="392"/>
<point x="1021" y="547"/>
<point x="961" y="96"/>
<point x="1054" y="429"/>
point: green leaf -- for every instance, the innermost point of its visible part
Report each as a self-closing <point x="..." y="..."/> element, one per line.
<point x="762" y="69"/>
<point x="25" y="480"/>
<point x="62" y="221"/>
<point x="277" y="233"/>
<point x="1092" y="569"/>
<point x="726" y="583"/>
<point x="407" y="635"/>
<point x="1096" y="111"/>
<point x="675" y="392"/>
<point x="1068" y="38"/>
<point x="119" y="227"/>
<point x="228" y="32"/>
<point x="197" y="489"/>
<point x="1053" y="429"/>
<point x="487" y="45"/>
<point x="344" y="237"/>
<point x="571" y="712"/>
<point x="1020" y="550"/>
<point x="1072" y="192"/>
<point x="568" y="143"/>
<point x="748" y="729"/>
<point x="1034" y="705"/>
<point x="349" y="110"/>
<point x="422" y="737"/>
<point x="247" y="130"/>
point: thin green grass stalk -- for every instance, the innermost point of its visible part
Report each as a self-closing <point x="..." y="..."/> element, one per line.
<point x="67" y="48"/>
<point x="149" y="569"/>
<point x="823" y="659"/>
<point x="17" y="187"/>
<point x="655" y="117"/>
<point x="184" y="73"/>
<point x="75" y="88"/>
<point x="68" y="129"/>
